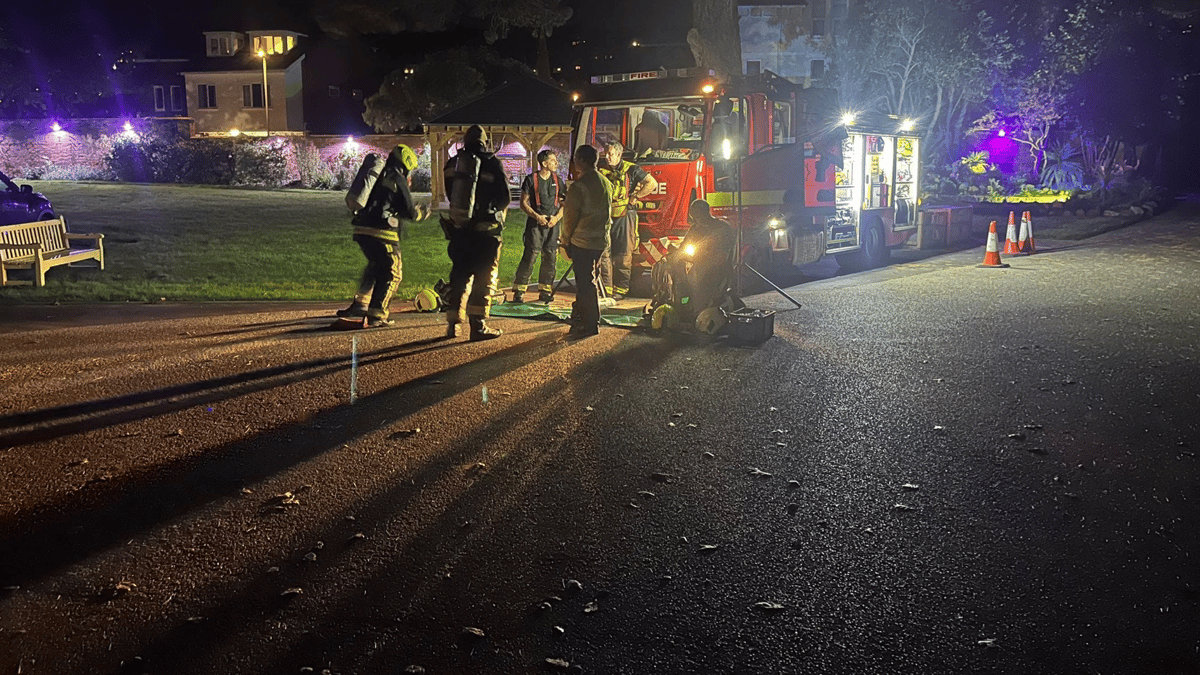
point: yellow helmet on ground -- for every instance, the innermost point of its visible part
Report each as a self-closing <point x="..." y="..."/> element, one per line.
<point x="427" y="301"/>
<point x="404" y="156"/>
<point x="710" y="321"/>
<point x="663" y="317"/>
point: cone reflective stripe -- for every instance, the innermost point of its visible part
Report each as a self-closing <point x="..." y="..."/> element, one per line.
<point x="1025" y="245"/>
<point x="992" y="257"/>
<point x="1010" y="238"/>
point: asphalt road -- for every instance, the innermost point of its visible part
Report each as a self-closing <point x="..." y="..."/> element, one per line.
<point x="930" y="468"/>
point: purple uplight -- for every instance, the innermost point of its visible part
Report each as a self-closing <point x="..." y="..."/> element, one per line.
<point x="1001" y="133"/>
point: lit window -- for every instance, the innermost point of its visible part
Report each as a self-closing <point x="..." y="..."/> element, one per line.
<point x="257" y="45"/>
<point x="278" y="44"/>
<point x="291" y="42"/>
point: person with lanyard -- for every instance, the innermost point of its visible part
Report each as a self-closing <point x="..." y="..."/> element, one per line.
<point x="630" y="183"/>
<point x="541" y="194"/>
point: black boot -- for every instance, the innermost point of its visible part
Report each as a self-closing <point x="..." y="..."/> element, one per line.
<point x="480" y="331"/>
<point x="452" y="330"/>
<point x="354" y="311"/>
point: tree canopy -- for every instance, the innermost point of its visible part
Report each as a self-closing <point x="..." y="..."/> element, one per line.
<point x="443" y="81"/>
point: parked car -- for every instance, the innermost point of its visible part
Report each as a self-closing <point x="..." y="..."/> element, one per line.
<point x="20" y="204"/>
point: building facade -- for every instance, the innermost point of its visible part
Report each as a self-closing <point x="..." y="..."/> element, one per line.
<point x="790" y="38"/>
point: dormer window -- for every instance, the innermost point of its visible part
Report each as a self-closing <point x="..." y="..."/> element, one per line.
<point x="274" y="44"/>
<point x="223" y="43"/>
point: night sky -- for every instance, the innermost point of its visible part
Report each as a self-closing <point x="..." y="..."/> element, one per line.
<point x="76" y="29"/>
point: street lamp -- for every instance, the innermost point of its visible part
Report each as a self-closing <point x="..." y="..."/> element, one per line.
<point x="266" y="103"/>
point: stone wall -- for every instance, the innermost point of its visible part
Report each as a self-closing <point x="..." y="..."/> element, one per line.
<point x="76" y="150"/>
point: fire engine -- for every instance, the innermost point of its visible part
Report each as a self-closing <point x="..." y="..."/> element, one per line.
<point x="775" y="159"/>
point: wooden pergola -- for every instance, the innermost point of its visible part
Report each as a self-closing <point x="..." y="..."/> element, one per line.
<point x="532" y="112"/>
<point x="441" y="138"/>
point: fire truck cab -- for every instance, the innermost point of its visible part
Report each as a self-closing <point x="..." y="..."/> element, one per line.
<point x="778" y="161"/>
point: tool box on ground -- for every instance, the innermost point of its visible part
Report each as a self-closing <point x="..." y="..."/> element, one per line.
<point x="751" y="325"/>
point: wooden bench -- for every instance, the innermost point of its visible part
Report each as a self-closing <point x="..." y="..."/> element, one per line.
<point x="42" y="245"/>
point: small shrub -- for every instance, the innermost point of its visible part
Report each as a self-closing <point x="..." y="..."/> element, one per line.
<point x="422" y="181"/>
<point x="259" y="163"/>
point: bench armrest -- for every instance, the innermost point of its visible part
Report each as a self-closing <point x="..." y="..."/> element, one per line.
<point x="94" y="237"/>
<point x="37" y="246"/>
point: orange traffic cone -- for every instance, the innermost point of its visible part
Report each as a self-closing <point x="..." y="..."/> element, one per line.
<point x="992" y="257"/>
<point x="1010" y="238"/>
<point x="1025" y="245"/>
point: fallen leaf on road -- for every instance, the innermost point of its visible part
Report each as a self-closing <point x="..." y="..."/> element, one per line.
<point x="662" y="477"/>
<point x="755" y="471"/>
<point x="769" y="606"/>
<point x="911" y="486"/>
<point x="292" y="592"/>
<point x="590" y="607"/>
<point x="902" y="507"/>
<point x="708" y="548"/>
<point x="558" y="663"/>
<point x="471" y="631"/>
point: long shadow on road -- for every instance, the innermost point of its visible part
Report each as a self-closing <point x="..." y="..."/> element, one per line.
<point x="74" y="526"/>
<point x="50" y="423"/>
<point x="401" y="584"/>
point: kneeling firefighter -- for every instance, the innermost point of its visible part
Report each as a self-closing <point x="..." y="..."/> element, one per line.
<point x="697" y="275"/>
<point x="478" y="194"/>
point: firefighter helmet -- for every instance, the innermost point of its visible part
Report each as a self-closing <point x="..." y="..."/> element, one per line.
<point x="404" y="156"/>
<point x="663" y="317"/>
<point x="427" y="301"/>
<point x="710" y="321"/>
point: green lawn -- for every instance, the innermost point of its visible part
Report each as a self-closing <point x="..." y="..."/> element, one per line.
<point x="189" y="242"/>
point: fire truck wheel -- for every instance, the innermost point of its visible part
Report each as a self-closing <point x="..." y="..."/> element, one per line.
<point x="875" y="252"/>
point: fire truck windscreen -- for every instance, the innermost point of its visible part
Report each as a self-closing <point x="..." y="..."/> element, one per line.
<point x="665" y="130"/>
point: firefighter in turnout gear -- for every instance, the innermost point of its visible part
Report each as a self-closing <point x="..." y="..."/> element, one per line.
<point x="630" y="183"/>
<point x="542" y="193"/>
<point x="478" y="194"/>
<point x="377" y="229"/>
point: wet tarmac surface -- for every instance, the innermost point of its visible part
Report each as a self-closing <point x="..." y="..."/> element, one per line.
<point x="930" y="468"/>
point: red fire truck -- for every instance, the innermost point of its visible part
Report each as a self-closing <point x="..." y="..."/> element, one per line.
<point x="777" y="160"/>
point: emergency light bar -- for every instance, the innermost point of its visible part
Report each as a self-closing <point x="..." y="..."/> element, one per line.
<point x="659" y="74"/>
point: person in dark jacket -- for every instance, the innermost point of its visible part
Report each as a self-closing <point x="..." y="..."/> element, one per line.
<point x="542" y="194"/>
<point x="478" y="192"/>
<point x="377" y="228"/>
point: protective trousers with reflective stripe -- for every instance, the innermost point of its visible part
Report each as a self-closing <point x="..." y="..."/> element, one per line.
<point x="474" y="263"/>
<point x="380" y="277"/>
<point x="616" y="267"/>
<point x="542" y="240"/>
